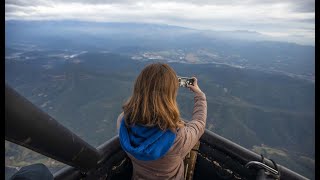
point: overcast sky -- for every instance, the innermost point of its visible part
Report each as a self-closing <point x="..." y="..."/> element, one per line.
<point x="293" y="18"/>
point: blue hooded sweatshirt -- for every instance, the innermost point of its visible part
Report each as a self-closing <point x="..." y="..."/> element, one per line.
<point x="145" y="143"/>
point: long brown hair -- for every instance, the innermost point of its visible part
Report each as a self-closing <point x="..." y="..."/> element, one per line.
<point x="153" y="102"/>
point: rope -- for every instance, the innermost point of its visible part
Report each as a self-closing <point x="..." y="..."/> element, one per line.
<point x="190" y="162"/>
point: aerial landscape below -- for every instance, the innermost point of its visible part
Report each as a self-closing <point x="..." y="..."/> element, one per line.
<point x="260" y="93"/>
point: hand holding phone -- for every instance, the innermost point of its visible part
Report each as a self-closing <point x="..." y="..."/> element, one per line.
<point x="194" y="87"/>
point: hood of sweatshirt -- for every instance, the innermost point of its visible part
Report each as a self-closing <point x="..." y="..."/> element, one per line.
<point x="145" y="143"/>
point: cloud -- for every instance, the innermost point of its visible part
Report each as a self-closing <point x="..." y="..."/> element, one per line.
<point x="271" y="16"/>
<point x="298" y="5"/>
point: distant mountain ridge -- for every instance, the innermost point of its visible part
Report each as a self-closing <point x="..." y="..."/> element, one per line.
<point x="245" y="48"/>
<point x="131" y="26"/>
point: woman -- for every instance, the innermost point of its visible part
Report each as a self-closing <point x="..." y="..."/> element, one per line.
<point x="151" y="131"/>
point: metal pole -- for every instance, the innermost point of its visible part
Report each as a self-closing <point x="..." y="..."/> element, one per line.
<point x="28" y="126"/>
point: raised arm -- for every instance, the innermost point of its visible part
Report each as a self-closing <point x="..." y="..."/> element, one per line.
<point x="194" y="129"/>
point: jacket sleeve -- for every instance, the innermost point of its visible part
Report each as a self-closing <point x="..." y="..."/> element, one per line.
<point x="194" y="129"/>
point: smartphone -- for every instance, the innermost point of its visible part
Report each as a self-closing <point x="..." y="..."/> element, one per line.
<point x="184" y="81"/>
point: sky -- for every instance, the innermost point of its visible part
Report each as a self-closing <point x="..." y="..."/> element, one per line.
<point x="293" y="20"/>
